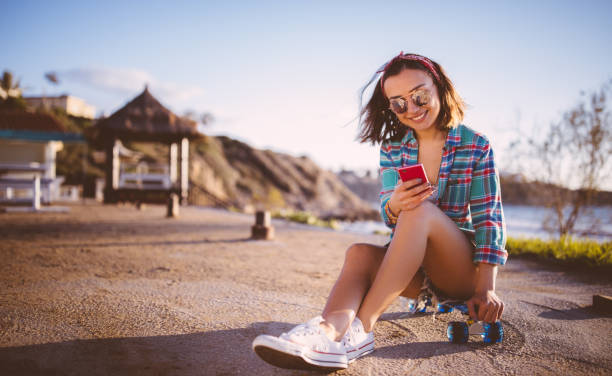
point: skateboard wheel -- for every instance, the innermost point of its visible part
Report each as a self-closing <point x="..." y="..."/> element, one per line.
<point x="444" y="308"/>
<point x="493" y="333"/>
<point x="457" y="332"/>
<point x="408" y="304"/>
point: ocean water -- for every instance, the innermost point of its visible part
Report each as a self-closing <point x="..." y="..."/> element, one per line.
<point x="523" y="221"/>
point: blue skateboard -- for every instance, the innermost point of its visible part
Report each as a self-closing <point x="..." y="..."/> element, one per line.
<point x="460" y="331"/>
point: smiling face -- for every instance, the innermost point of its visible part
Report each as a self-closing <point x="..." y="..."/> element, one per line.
<point x="412" y="85"/>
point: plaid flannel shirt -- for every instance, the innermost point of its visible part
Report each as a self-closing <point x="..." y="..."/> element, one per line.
<point x="468" y="187"/>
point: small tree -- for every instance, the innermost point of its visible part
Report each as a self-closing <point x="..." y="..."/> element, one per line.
<point x="10" y="93"/>
<point x="205" y="118"/>
<point x="573" y="159"/>
<point x="8" y="86"/>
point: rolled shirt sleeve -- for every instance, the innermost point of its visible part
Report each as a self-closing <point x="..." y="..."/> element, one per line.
<point x="486" y="210"/>
<point x="389" y="178"/>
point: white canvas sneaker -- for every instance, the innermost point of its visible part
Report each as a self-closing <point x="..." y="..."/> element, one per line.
<point x="304" y="347"/>
<point x="357" y="342"/>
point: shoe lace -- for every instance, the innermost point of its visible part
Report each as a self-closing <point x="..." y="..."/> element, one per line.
<point x="304" y="332"/>
<point x="306" y="329"/>
<point x="347" y="340"/>
<point x="311" y="329"/>
<point x="349" y="337"/>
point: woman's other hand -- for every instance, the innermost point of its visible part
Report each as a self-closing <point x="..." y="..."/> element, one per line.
<point x="409" y="194"/>
<point x="485" y="306"/>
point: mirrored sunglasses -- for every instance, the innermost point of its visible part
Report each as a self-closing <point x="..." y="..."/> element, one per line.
<point x="419" y="97"/>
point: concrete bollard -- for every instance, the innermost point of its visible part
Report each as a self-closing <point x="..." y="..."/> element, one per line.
<point x="262" y="228"/>
<point x="173" y="206"/>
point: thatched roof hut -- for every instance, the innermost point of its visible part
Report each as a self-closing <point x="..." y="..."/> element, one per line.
<point x="145" y="119"/>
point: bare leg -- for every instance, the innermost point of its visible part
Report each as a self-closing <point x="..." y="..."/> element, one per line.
<point x="423" y="236"/>
<point x="361" y="265"/>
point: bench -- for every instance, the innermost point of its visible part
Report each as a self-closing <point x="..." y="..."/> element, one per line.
<point x="8" y="185"/>
<point x="41" y="188"/>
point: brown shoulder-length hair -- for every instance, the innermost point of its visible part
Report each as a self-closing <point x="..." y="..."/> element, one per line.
<point x="379" y="123"/>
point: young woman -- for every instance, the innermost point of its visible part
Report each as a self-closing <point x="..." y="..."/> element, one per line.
<point x="448" y="234"/>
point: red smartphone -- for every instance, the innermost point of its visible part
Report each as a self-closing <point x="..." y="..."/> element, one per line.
<point x="416" y="171"/>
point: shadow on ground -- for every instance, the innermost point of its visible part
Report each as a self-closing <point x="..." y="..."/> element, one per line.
<point x="221" y="352"/>
<point x="153" y="244"/>
<point x="579" y="313"/>
<point x="17" y="231"/>
<point x="423" y="350"/>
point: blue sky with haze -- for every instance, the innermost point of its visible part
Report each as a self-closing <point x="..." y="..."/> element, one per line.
<point x="285" y="75"/>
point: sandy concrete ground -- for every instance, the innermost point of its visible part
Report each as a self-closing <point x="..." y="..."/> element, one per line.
<point x="113" y="290"/>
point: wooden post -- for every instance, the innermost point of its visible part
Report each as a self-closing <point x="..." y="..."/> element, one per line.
<point x="112" y="170"/>
<point x="36" y="192"/>
<point x="50" y="154"/>
<point x="262" y="228"/>
<point x="172" y="161"/>
<point x="116" y="165"/>
<point x="184" y="172"/>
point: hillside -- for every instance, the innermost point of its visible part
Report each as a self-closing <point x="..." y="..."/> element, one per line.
<point x="367" y="187"/>
<point x="224" y="170"/>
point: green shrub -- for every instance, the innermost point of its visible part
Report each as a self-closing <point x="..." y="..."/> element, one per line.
<point x="565" y="249"/>
<point x="304" y="217"/>
<point x="382" y="232"/>
<point x="275" y="198"/>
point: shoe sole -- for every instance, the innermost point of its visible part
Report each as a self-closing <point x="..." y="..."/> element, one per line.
<point x="365" y="350"/>
<point x="285" y="354"/>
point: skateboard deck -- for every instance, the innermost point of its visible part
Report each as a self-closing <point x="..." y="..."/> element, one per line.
<point x="460" y="331"/>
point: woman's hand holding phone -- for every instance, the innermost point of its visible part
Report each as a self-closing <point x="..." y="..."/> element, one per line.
<point x="409" y="195"/>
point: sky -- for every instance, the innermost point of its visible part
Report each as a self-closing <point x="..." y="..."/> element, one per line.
<point x="285" y="75"/>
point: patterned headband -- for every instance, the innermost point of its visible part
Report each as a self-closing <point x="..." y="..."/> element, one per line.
<point x="411" y="57"/>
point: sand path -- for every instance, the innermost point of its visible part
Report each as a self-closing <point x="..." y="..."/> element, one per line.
<point x="113" y="290"/>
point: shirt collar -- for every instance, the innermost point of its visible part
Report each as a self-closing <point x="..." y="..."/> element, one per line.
<point x="453" y="139"/>
<point x="408" y="137"/>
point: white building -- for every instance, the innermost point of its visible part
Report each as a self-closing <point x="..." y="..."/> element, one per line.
<point x="72" y="105"/>
<point x="29" y="143"/>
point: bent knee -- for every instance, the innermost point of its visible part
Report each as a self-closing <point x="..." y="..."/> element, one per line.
<point x="364" y="255"/>
<point x="357" y="251"/>
<point x="423" y="213"/>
